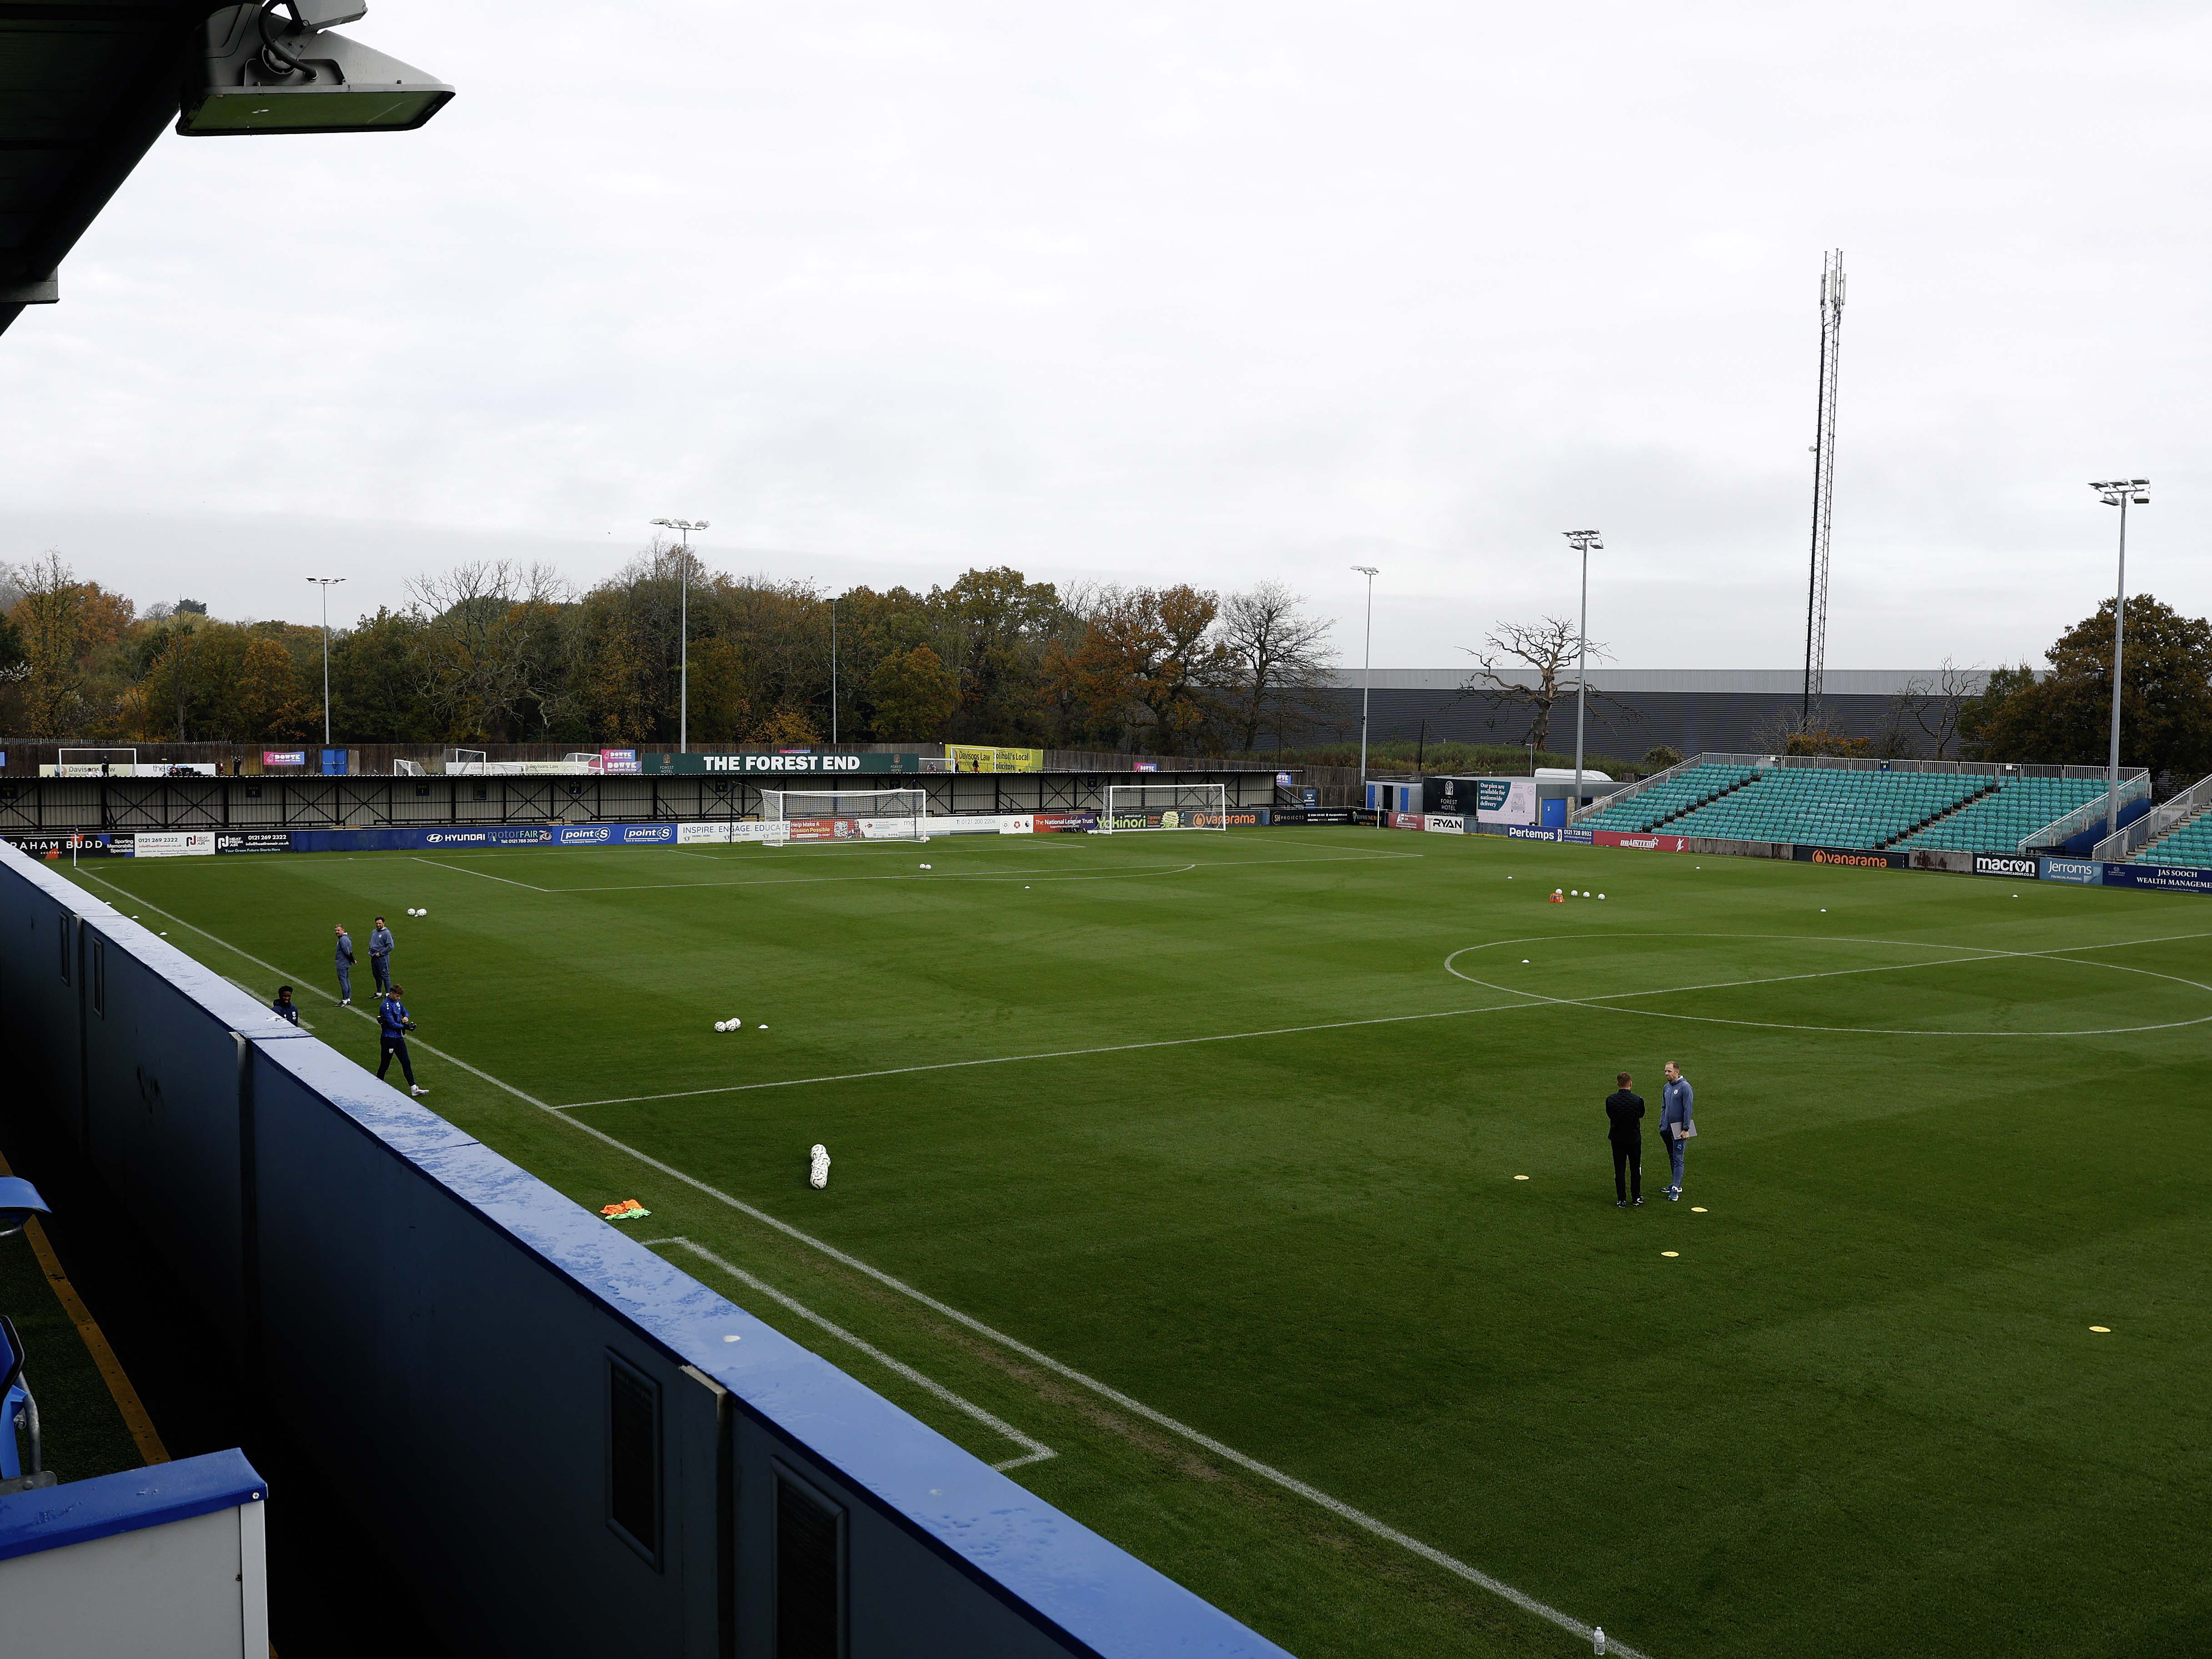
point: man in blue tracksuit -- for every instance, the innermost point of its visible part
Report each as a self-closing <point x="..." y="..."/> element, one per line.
<point x="284" y="1007"/>
<point x="345" y="968"/>
<point x="379" y="955"/>
<point x="393" y="1025"/>
<point x="1675" y="1101"/>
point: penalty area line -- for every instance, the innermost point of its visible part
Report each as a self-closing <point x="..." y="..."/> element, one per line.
<point x="1253" y="1465"/>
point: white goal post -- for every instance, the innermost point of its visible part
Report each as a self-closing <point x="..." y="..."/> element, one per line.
<point x="835" y="815"/>
<point x="465" y="762"/>
<point x="1132" y="806"/>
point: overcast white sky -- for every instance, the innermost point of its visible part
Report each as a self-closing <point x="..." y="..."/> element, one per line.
<point x="1165" y="292"/>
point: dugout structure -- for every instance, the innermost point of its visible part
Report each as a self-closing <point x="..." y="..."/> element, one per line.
<point x="810" y="815"/>
<point x="1136" y="807"/>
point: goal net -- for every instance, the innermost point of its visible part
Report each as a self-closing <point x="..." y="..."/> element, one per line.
<point x="464" y="761"/>
<point x="812" y="815"/>
<point x="1165" y="806"/>
<point x="407" y="768"/>
<point x="96" y="763"/>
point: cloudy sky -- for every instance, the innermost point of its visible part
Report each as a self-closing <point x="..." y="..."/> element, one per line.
<point x="1166" y="293"/>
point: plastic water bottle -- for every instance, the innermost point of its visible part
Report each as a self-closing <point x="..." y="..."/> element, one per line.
<point x="1597" y="1639"/>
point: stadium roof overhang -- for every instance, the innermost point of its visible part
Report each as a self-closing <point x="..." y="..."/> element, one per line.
<point x="86" y="86"/>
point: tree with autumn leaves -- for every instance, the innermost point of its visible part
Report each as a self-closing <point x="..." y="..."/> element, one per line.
<point x="493" y="651"/>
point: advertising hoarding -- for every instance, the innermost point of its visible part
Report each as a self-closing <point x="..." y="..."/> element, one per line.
<point x="2020" y="866"/>
<point x="2160" y="878"/>
<point x="986" y="757"/>
<point x="252" y="841"/>
<point x="1852" y="858"/>
<point x="2081" y="873"/>
<point x="283" y="758"/>
<point x="1505" y="800"/>
<point x="1642" y="842"/>
<point x="1444" y="823"/>
<point x="173" y="844"/>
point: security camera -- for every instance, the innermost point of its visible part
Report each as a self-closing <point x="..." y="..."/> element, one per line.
<point x="274" y="66"/>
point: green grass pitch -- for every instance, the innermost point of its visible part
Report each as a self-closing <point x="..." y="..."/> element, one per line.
<point x="1234" y="1124"/>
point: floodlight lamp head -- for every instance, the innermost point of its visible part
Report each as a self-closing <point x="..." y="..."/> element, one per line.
<point x="19" y="1202"/>
<point x="258" y="72"/>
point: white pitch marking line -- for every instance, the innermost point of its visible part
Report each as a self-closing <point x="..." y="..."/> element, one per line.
<point x="1342" y="1511"/>
<point x="464" y="870"/>
<point x="972" y="876"/>
<point x="1061" y="1054"/>
<point x="1034" y="1451"/>
<point x="1988" y="954"/>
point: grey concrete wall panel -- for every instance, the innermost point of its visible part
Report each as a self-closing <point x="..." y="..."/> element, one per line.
<point x="436" y="1325"/>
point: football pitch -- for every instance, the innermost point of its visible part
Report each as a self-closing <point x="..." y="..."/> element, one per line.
<point x="1247" y="1196"/>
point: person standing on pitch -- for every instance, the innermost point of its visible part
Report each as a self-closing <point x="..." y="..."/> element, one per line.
<point x="284" y="1007"/>
<point x="345" y="968"/>
<point x="1675" y="1123"/>
<point x="1625" y="1112"/>
<point x="393" y="1025"/>
<point x="379" y="955"/>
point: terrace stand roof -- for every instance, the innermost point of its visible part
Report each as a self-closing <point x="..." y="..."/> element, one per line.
<point x="86" y="85"/>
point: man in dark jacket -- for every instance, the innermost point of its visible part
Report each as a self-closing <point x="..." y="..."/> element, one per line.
<point x="393" y="1025"/>
<point x="284" y="1007"/>
<point x="345" y="967"/>
<point x="1625" y="1112"/>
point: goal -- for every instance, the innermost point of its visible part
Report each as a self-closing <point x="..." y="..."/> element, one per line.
<point x="459" y="762"/>
<point x="813" y="815"/>
<point x="1165" y="806"/>
<point x="96" y="763"/>
<point x="407" y="768"/>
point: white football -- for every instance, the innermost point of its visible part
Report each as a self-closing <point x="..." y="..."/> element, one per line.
<point x="1600" y="896"/>
<point x="925" y="867"/>
<point x="763" y="1028"/>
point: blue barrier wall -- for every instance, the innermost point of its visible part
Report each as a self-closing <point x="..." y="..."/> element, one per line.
<point x="444" y="1334"/>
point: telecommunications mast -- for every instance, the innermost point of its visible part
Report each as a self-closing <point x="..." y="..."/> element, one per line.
<point x="1823" y="479"/>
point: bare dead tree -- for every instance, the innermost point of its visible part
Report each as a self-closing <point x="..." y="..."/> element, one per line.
<point x="1932" y="703"/>
<point x="1547" y="649"/>
<point x="1278" y="659"/>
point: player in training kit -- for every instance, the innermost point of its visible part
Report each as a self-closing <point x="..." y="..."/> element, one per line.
<point x="393" y="1025"/>
<point x="379" y="955"/>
